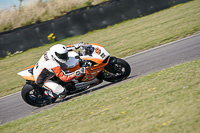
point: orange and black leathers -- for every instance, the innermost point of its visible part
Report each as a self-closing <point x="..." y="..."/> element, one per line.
<point x="47" y="67"/>
<point x="44" y="76"/>
<point x="58" y="71"/>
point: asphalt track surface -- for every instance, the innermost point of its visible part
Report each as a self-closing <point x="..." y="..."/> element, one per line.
<point x="12" y="107"/>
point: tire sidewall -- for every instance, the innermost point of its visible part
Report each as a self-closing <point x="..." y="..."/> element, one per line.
<point x="127" y="71"/>
<point x="25" y="96"/>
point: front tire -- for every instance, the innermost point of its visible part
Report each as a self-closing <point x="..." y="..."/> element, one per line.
<point x="117" y="71"/>
<point x="29" y="96"/>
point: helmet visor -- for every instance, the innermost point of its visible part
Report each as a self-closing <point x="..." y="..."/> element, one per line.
<point x="62" y="56"/>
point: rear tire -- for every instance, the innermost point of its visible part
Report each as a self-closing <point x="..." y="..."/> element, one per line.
<point x="30" y="98"/>
<point x="117" y="71"/>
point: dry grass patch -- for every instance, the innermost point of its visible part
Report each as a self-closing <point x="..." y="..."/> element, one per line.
<point x="38" y="11"/>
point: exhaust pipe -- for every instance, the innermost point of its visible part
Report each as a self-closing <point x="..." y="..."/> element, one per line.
<point x="84" y="85"/>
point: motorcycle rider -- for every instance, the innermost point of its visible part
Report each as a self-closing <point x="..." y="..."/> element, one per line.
<point x="49" y="66"/>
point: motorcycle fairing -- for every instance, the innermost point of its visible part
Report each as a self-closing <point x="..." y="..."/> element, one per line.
<point x="26" y="74"/>
<point x="100" y="57"/>
<point x="72" y="63"/>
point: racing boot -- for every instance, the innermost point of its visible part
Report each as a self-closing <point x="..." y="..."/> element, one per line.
<point x="49" y="93"/>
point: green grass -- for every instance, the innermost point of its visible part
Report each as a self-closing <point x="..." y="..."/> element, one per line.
<point x="120" y="40"/>
<point x="167" y="101"/>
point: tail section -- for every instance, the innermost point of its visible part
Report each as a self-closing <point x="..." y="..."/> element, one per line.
<point x="27" y="73"/>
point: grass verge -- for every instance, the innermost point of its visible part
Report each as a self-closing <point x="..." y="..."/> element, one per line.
<point x="120" y="40"/>
<point x="165" y="101"/>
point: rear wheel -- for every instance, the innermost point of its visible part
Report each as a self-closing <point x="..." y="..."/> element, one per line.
<point x="30" y="96"/>
<point x="117" y="71"/>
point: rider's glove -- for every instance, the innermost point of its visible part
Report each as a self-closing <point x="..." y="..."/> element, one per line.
<point x="78" y="45"/>
<point x="81" y="71"/>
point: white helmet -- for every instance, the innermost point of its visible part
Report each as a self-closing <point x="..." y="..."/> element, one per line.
<point x="59" y="53"/>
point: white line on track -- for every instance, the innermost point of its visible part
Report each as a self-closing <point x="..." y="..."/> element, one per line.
<point x="9" y="95"/>
<point x="164" y="45"/>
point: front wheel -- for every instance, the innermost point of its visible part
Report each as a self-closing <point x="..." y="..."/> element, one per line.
<point x="29" y="95"/>
<point x="117" y="71"/>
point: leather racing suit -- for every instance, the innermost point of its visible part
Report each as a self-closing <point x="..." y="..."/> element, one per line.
<point x="46" y="68"/>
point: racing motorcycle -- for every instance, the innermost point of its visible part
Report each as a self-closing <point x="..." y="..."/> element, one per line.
<point x="100" y="66"/>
